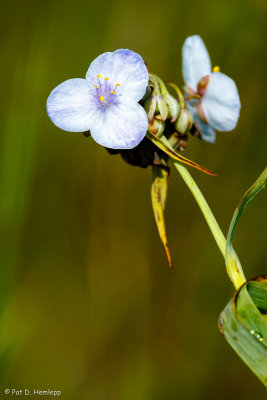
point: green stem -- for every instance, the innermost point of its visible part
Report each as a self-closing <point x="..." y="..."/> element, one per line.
<point x="211" y="221"/>
<point x="235" y="271"/>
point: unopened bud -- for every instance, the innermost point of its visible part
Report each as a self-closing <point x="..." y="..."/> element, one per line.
<point x="173" y="140"/>
<point x="183" y="142"/>
<point x="156" y="127"/>
<point x="167" y="106"/>
<point x="150" y="106"/>
<point x="162" y="108"/>
<point x="184" y="122"/>
<point x="173" y="107"/>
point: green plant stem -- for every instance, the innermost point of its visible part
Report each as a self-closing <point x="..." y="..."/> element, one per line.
<point x="235" y="274"/>
<point x="211" y="221"/>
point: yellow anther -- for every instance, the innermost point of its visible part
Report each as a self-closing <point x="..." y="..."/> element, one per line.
<point x="216" y="68"/>
<point x="101" y="99"/>
<point x="117" y="84"/>
<point x="96" y="87"/>
<point x="98" y="76"/>
<point x="106" y="79"/>
<point x="112" y="91"/>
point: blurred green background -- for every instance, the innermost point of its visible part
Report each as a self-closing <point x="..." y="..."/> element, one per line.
<point x="88" y="305"/>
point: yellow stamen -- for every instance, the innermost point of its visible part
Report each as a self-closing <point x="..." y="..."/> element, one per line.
<point x="101" y="99"/>
<point x="106" y="79"/>
<point x="96" y="87"/>
<point x="98" y="76"/>
<point x="216" y="68"/>
<point x="112" y="92"/>
<point x="117" y="84"/>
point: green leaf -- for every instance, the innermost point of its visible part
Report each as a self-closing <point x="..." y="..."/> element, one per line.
<point x="258" y="293"/>
<point x="244" y="325"/>
<point x="233" y="265"/>
<point x="244" y="320"/>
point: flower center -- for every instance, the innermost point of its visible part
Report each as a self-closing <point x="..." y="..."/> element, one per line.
<point x="105" y="91"/>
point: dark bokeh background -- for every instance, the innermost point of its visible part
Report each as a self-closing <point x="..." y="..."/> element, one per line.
<point x="88" y="304"/>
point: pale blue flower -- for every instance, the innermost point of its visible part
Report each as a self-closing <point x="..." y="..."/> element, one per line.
<point x="215" y="102"/>
<point x="105" y="102"/>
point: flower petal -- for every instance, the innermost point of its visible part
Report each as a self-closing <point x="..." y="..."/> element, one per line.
<point x="122" y="126"/>
<point x="196" y="61"/>
<point x="221" y="102"/>
<point x="208" y="133"/>
<point x="123" y="67"/>
<point x="68" y="106"/>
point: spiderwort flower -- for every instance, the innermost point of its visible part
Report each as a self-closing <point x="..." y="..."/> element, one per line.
<point x="213" y="98"/>
<point x="105" y="102"/>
